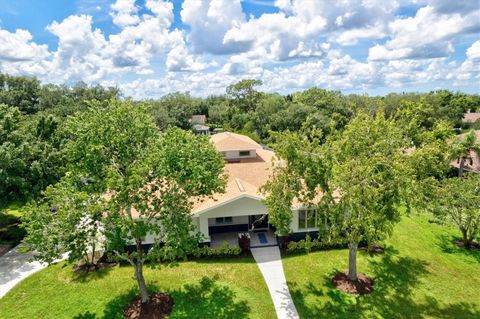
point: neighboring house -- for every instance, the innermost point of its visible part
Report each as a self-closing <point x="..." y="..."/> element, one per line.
<point x="470" y="117"/>
<point x="241" y="209"/>
<point x="198" y="122"/>
<point x="201" y="129"/>
<point x="473" y="163"/>
<point x="198" y="119"/>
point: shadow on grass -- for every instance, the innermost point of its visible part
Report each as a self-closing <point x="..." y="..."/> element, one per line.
<point x="205" y="299"/>
<point x="395" y="279"/>
<point x="448" y="246"/>
<point x="88" y="276"/>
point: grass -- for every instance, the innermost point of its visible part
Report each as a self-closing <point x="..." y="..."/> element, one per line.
<point x="10" y="232"/>
<point x="203" y="289"/>
<point x="421" y="275"/>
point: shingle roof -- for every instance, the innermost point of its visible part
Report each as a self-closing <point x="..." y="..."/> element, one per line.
<point x="470" y="117"/>
<point x="244" y="178"/>
<point x="228" y="141"/>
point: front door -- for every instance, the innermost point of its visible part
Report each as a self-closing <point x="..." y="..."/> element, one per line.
<point x="258" y="222"/>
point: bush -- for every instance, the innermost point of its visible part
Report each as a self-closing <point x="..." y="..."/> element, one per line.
<point x="307" y="245"/>
<point x="225" y="250"/>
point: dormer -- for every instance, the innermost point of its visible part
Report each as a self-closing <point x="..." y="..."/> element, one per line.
<point x="235" y="147"/>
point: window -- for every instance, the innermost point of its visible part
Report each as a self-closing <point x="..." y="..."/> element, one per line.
<point x="244" y="153"/>
<point x="302" y="215"/>
<point x="223" y="220"/>
<point x="307" y="218"/>
<point x="311" y="219"/>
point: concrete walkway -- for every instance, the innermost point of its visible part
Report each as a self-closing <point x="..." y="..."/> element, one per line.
<point x="14" y="267"/>
<point x="270" y="263"/>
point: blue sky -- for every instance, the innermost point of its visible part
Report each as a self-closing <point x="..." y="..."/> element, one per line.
<point x="149" y="48"/>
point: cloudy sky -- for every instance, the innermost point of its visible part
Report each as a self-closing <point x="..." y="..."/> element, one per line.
<point x="152" y="47"/>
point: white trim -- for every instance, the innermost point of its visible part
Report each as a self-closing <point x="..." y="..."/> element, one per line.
<point x="227" y="202"/>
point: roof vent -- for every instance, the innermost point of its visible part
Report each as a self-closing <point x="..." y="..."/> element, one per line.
<point x="239" y="185"/>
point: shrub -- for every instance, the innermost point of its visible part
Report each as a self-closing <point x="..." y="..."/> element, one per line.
<point x="225" y="250"/>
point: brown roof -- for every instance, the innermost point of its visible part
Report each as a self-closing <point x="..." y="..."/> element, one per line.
<point x="198" y="119"/>
<point x="470" y="117"/>
<point x="228" y="141"/>
<point x="244" y="179"/>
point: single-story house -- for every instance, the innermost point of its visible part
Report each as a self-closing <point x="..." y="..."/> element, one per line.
<point x="240" y="209"/>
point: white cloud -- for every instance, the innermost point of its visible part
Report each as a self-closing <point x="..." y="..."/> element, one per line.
<point x="209" y="20"/>
<point x="428" y="34"/>
<point x="124" y="13"/>
<point x="18" y="46"/>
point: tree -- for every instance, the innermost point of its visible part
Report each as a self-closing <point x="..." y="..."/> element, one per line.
<point x="148" y="179"/>
<point x="459" y="200"/>
<point x="66" y="220"/>
<point x="356" y="179"/>
<point x="463" y="148"/>
<point x="244" y="94"/>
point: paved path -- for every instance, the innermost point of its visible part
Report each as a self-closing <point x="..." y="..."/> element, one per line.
<point x="14" y="267"/>
<point x="270" y="263"/>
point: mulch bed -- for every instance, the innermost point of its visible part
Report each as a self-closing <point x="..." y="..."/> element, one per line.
<point x="374" y="250"/>
<point x="87" y="268"/>
<point x="473" y="246"/>
<point x="159" y="306"/>
<point x="362" y="286"/>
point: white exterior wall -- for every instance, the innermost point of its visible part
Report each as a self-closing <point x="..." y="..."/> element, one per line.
<point x="237" y="220"/>
<point x="241" y="207"/>
<point x="236" y="154"/>
<point x="294" y="224"/>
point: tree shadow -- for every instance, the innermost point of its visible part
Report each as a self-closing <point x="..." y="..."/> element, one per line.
<point x="395" y="279"/>
<point x="208" y="299"/>
<point x="83" y="277"/>
<point x="205" y="299"/>
<point x="448" y="246"/>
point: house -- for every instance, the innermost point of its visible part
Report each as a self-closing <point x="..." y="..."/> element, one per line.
<point x="470" y="117"/>
<point x="198" y="122"/>
<point x="198" y="119"/>
<point x="240" y="208"/>
<point x="473" y="162"/>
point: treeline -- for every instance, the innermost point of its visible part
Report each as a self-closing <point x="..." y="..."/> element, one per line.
<point x="32" y="118"/>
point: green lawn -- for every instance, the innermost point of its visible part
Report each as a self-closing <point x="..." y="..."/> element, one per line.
<point x="203" y="289"/>
<point x="421" y="275"/>
<point x="10" y="233"/>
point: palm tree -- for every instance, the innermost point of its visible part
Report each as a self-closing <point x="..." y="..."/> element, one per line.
<point x="463" y="149"/>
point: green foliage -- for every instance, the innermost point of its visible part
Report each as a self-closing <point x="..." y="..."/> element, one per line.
<point x="463" y="148"/>
<point x="458" y="200"/>
<point x="223" y="251"/>
<point x="147" y="178"/>
<point x="244" y="95"/>
<point x="30" y="154"/>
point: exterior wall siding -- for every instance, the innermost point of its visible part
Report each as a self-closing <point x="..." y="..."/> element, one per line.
<point x="230" y="155"/>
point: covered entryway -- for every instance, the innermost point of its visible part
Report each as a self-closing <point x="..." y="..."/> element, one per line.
<point x="258" y="222"/>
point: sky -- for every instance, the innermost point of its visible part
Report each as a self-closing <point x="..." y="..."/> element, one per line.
<point x="149" y="48"/>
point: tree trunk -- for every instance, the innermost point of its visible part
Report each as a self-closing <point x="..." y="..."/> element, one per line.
<point x="352" y="261"/>
<point x="139" y="272"/>
<point x="466" y="241"/>
<point x="461" y="166"/>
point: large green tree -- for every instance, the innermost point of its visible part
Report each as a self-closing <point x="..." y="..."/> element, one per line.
<point x="147" y="178"/>
<point x="458" y="199"/>
<point x="357" y="180"/>
<point x="244" y="94"/>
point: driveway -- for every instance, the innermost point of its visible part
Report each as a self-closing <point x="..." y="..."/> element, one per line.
<point x="14" y="267"/>
<point x="270" y="263"/>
